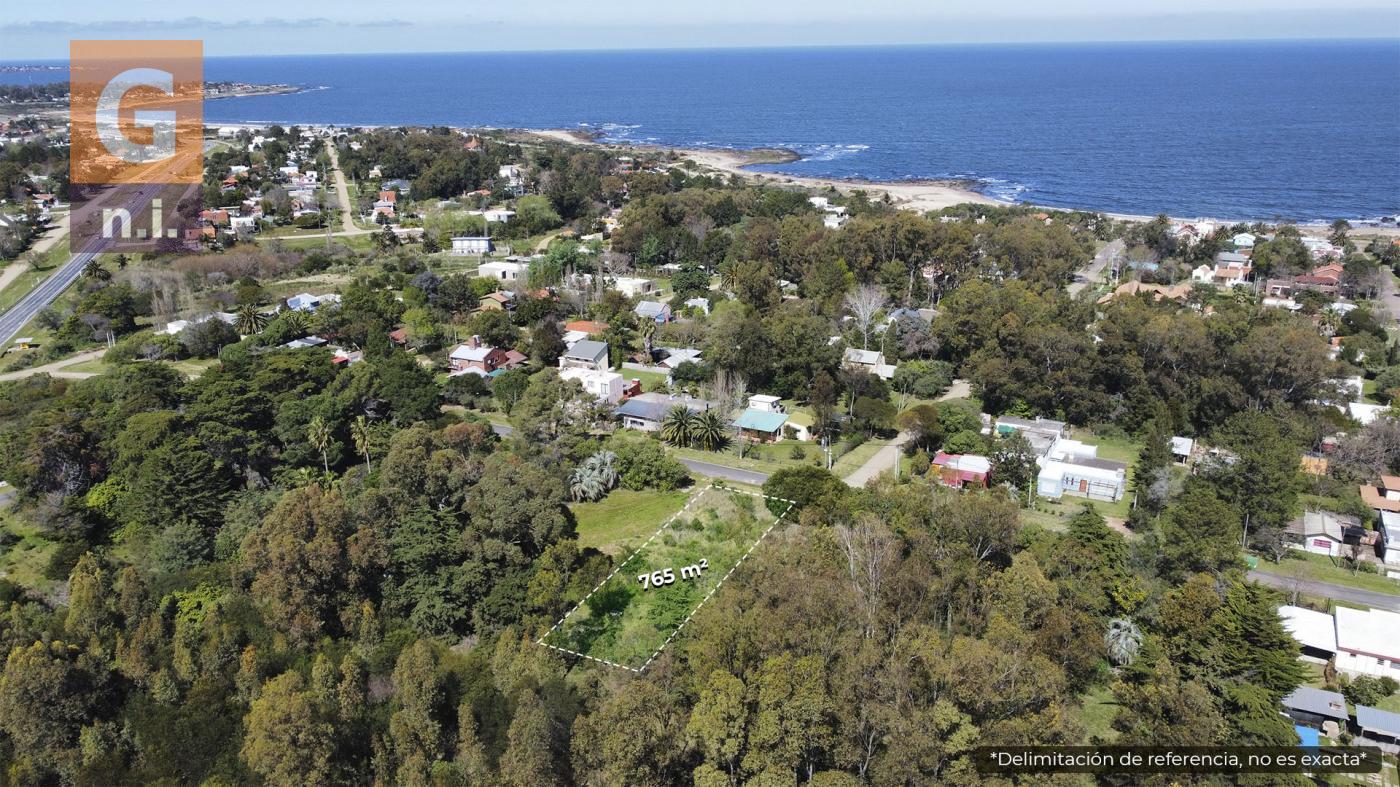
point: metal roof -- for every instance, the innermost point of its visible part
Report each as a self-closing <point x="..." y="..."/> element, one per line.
<point x="1382" y="721"/>
<point x="761" y="421"/>
<point x="1322" y="703"/>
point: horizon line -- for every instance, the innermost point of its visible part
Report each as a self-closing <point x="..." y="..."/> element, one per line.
<point x="795" y="47"/>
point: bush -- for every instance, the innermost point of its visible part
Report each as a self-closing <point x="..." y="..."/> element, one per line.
<point x="920" y="463"/>
<point x="644" y="464"/>
<point x="804" y="486"/>
<point x="1367" y="690"/>
<point x="797" y="452"/>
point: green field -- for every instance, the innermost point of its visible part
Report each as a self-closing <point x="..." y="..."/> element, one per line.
<point x="620" y="522"/>
<point x="626" y="620"/>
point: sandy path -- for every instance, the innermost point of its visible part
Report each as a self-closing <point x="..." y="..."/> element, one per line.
<point x="56" y="368"/>
<point x="343" y="193"/>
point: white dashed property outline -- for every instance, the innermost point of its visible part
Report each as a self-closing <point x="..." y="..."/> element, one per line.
<point x="638" y="551"/>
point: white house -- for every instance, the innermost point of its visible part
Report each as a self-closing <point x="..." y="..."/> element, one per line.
<point x="602" y="385"/>
<point x="632" y="286"/>
<point x="1315" y="631"/>
<point x="1389" y="527"/>
<point x="494" y="215"/>
<point x="1073" y="468"/>
<point x="1368" y="642"/>
<point x="306" y="302"/>
<point x="1322" y="532"/>
<point x="1365" y="413"/>
<point x="175" y="326"/>
<point x="766" y="403"/>
<point x="1244" y="240"/>
<point x="471" y="245"/>
<point x="503" y="271"/>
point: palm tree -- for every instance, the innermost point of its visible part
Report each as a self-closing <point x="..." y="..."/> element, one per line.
<point x="592" y="479"/>
<point x="298" y="322"/>
<point x="318" y="433"/>
<point x="710" y="431"/>
<point x="678" y="427"/>
<point x="249" y="320"/>
<point x="648" y="331"/>
<point x="359" y="432"/>
<point x="94" y="270"/>
<point x="1123" y="640"/>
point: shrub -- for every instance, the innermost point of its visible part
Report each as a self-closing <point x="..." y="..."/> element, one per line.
<point x="798" y="452"/>
<point x="644" y="464"/>
<point x="1367" y="690"/>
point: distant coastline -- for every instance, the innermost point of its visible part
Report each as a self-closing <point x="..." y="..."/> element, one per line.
<point x="921" y="195"/>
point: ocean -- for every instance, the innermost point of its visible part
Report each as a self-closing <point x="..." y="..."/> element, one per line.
<point x="1301" y="130"/>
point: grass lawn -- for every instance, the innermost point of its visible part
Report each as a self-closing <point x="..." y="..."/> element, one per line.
<point x="627" y="621"/>
<point x="624" y="519"/>
<point x="23" y="562"/>
<point x="1096" y="714"/>
<point x="1303" y="565"/>
<point x="31" y="277"/>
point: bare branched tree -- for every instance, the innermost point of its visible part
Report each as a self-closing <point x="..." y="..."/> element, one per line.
<point x="870" y="553"/>
<point x="864" y="302"/>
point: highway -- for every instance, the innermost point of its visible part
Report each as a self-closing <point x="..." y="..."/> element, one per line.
<point x="39" y="298"/>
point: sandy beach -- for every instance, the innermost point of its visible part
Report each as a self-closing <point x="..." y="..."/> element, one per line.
<point x="910" y="195"/>
<point x="913" y="195"/>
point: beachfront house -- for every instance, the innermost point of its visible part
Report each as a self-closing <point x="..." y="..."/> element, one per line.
<point x="306" y="302"/>
<point x="1322" y="532"/>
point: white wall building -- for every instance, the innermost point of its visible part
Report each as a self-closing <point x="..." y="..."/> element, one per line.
<point x="604" y="386"/>
<point x="1368" y="642"/>
<point x="503" y="271"/>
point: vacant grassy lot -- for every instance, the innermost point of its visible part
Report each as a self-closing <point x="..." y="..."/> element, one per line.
<point x="627" y="621"/>
<point x="620" y="522"/>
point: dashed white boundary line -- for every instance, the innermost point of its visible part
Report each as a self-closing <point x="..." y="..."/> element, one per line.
<point x="638" y="551"/>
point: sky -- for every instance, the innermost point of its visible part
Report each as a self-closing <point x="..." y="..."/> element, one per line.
<point x="32" y="30"/>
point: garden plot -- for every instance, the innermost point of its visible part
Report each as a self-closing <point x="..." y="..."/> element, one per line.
<point x="645" y="602"/>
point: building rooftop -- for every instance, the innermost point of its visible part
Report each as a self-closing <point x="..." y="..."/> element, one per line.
<point x="1369" y="632"/>
<point x="761" y="421"/>
<point x="1376" y="720"/>
<point x="1328" y="704"/>
<point x="655" y="406"/>
<point x="587" y="350"/>
<point x="1311" y="628"/>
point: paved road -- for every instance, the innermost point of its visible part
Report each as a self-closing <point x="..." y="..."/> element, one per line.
<point x="1369" y="598"/>
<point x="728" y="473"/>
<point x="1093" y="272"/>
<point x="39" y="298"/>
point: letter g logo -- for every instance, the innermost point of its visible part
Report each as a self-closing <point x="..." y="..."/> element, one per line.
<point x="161" y="123"/>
